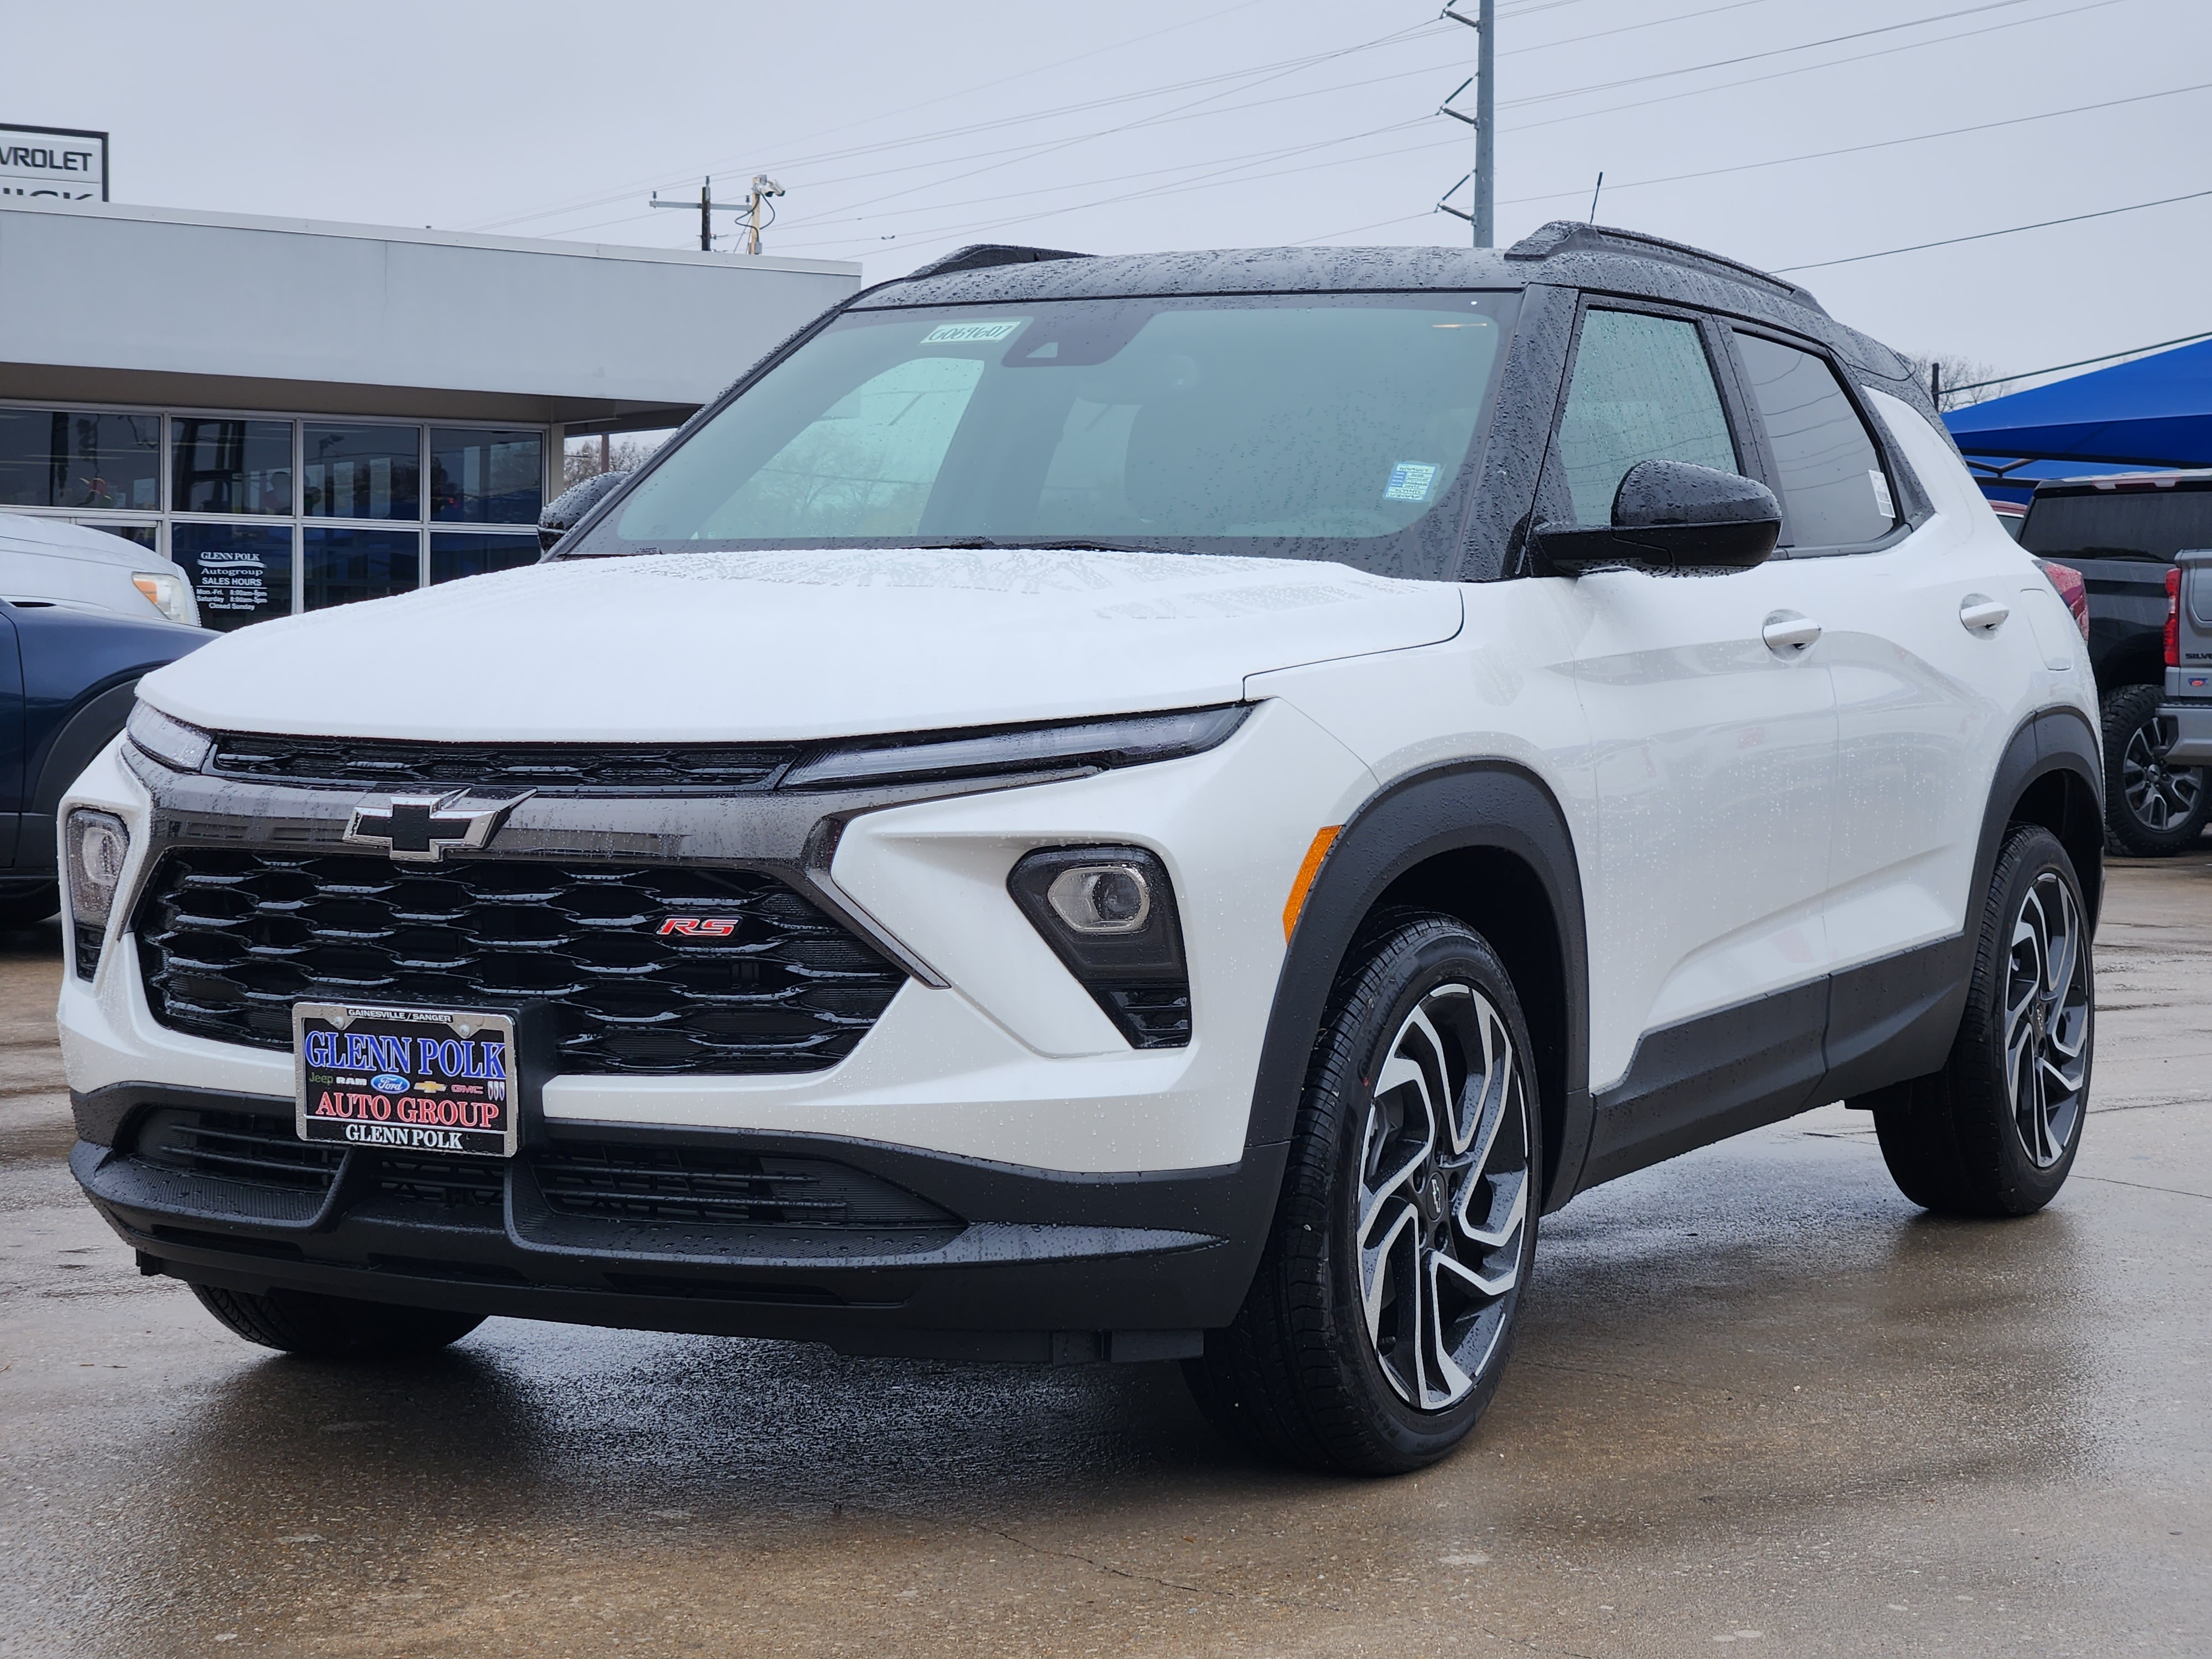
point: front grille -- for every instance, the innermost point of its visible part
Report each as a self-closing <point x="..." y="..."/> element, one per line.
<point x="265" y="1152"/>
<point x="229" y="939"/>
<point x="441" y="1183"/>
<point x="695" y="1186"/>
<point x="551" y="768"/>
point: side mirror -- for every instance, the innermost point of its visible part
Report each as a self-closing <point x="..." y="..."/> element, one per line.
<point x="1672" y="515"/>
<point x="570" y="505"/>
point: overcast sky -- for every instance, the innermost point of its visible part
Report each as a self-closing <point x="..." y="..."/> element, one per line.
<point x="902" y="130"/>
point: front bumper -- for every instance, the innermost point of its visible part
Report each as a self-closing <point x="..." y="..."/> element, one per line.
<point x="993" y="1262"/>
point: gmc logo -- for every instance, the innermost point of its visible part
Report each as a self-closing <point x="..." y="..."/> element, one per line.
<point x="699" y="926"/>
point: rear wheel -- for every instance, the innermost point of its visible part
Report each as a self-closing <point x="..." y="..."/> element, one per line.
<point x="335" y="1327"/>
<point x="1994" y="1132"/>
<point x="2152" y="809"/>
<point x="1385" y="1303"/>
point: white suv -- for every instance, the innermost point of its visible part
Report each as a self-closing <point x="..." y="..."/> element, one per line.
<point x="1115" y="809"/>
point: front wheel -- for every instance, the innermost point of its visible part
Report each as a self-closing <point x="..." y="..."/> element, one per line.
<point x="333" y="1326"/>
<point x="1384" y="1306"/>
<point x="1994" y="1132"/>
<point x="2152" y="808"/>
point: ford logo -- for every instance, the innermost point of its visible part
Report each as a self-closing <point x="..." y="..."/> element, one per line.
<point x="390" y="1083"/>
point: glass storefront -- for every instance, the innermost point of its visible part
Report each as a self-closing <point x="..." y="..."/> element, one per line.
<point x="270" y="515"/>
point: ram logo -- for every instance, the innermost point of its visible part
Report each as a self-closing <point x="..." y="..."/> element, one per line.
<point x="699" y="926"/>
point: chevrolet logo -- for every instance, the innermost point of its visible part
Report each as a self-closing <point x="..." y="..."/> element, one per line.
<point x="421" y="828"/>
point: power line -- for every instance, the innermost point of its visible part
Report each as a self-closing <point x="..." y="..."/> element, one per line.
<point x="1261" y="157"/>
<point x="2081" y="362"/>
<point x="851" y="152"/>
<point x="1984" y="235"/>
<point x="1802" y="68"/>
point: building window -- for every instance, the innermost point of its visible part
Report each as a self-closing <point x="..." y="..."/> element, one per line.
<point x="361" y="471"/>
<point x="240" y="573"/>
<point x="54" y="457"/>
<point x="233" y="467"/>
<point x="475" y="553"/>
<point x="485" y="476"/>
<point x="345" y="565"/>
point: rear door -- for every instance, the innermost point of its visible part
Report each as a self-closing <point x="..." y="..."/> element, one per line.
<point x="1935" y="634"/>
<point x="1714" y="757"/>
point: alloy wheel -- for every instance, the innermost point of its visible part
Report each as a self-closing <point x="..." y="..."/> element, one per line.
<point x="2158" y="794"/>
<point x="1442" y="1195"/>
<point x="2046" y="1020"/>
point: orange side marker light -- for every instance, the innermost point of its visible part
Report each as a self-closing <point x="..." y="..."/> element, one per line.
<point x="1307" y="869"/>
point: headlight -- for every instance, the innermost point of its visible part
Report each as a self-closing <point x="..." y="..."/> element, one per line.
<point x="95" y="846"/>
<point x="1109" y="914"/>
<point x="167" y="739"/>
<point x="1132" y="740"/>
<point x="165" y="592"/>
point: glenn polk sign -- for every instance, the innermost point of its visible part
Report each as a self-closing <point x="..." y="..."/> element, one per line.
<point x="56" y="162"/>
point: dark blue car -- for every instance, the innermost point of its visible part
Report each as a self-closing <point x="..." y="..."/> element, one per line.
<point x="67" y="672"/>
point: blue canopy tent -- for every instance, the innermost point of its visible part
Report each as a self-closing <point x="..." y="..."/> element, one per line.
<point x="2154" y="412"/>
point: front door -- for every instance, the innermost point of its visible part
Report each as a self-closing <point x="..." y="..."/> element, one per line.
<point x="1715" y="761"/>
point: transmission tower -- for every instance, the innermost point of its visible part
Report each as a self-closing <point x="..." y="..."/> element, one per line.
<point x="1483" y="216"/>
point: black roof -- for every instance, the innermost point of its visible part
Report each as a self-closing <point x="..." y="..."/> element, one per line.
<point x="1592" y="258"/>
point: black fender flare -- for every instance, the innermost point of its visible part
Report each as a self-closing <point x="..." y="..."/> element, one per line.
<point x="1466" y="806"/>
<point x="2049" y="741"/>
<point x="76" y="738"/>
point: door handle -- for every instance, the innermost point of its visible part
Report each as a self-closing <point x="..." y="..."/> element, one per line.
<point x="1980" y="614"/>
<point x="1788" y="635"/>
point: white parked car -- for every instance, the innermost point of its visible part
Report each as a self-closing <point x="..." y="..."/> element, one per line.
<point x="1116" y="808"/>
<point x="49" y="562"/>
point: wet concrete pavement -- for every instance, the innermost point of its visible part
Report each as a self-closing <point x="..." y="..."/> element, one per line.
<point x="1760" y="1402"/>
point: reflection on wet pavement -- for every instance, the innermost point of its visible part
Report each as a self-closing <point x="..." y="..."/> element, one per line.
<point x="1759" y="1400"/>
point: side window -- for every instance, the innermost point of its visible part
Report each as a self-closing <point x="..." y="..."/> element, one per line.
<point x="1828" y="473"/>
<point x="1642" y="390"/>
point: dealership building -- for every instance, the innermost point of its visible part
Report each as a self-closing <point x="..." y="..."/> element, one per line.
<point x="302" y="413"/>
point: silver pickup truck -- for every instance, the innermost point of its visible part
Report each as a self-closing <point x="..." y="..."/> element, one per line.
<point x="2187" y="711"/>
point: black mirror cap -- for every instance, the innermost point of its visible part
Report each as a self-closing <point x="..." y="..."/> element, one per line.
<point x="561" y="515"/>
<point x="1674" y="516"/>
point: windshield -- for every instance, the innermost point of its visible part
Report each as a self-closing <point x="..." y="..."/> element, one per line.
<point x="1312" y="426"/>
<point x="2137" y="523"/>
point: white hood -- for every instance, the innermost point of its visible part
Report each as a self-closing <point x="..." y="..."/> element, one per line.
<point x="721" y="646"/>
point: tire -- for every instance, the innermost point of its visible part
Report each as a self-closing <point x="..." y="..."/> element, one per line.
<point x="1996" y="1131"/>
<point x="2151" y="809"/>
<point x="1423" y="1012"/>
<point x="335" y="1327"/>
<point x="27" y="906"/>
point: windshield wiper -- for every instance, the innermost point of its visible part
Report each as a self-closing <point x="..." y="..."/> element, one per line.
<point x="1065" y="544"/>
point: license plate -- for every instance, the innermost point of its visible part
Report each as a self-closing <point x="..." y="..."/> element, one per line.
<point x="412" y="1079"/>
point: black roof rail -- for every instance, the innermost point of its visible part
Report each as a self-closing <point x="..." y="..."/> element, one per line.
<point x="1572" y="236"/>
<point x="976" y="256"/>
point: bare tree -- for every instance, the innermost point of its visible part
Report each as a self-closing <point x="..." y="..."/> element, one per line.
<point x="1977" y="381"/>
<point x="587" y="457"/>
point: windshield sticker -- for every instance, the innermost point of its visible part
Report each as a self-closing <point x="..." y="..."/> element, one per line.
<point x="1410" y="481"/>
<point x="970" y="333"/>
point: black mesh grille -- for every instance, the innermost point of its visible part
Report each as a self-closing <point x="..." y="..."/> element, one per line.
<point x="552" y="769"/>
<point x="693" y="1186"/>
<point x="610" y="1180"/>
<point x="229" y="940"/>
<point x="236" y="1146"/>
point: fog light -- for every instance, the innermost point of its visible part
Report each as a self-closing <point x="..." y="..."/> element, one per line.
<point x="1102" y="899"/>
<point x="1109" y="914"/>
<point x="95" y="846"/>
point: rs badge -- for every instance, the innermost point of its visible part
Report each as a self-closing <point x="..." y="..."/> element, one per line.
<point x="699" y="926"/>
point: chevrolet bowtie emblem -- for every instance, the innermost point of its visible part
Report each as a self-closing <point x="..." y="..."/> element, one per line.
<point x="421" y="828"/>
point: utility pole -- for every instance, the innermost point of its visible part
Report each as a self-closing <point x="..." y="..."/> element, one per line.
<point x="1483" y="218"/>
<point x="708" y="208"/>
